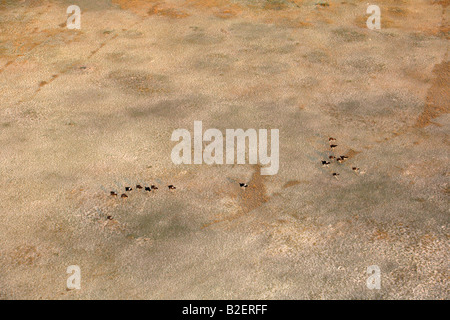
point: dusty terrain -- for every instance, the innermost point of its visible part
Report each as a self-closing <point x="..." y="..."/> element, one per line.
<point x="87" y="111"/>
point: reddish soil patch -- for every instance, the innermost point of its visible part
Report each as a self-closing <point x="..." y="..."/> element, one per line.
<point x="437" y="101"/>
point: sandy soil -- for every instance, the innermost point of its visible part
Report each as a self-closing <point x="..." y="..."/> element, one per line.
<point x="87" y="111"/>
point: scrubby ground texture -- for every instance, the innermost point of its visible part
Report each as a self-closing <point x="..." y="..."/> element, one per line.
<point x="84" y="112"/>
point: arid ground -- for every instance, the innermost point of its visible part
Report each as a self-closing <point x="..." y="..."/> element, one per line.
<point x="89" y="111"/>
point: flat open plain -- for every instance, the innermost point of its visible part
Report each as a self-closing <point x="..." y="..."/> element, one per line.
<point x="85" y="112"/>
